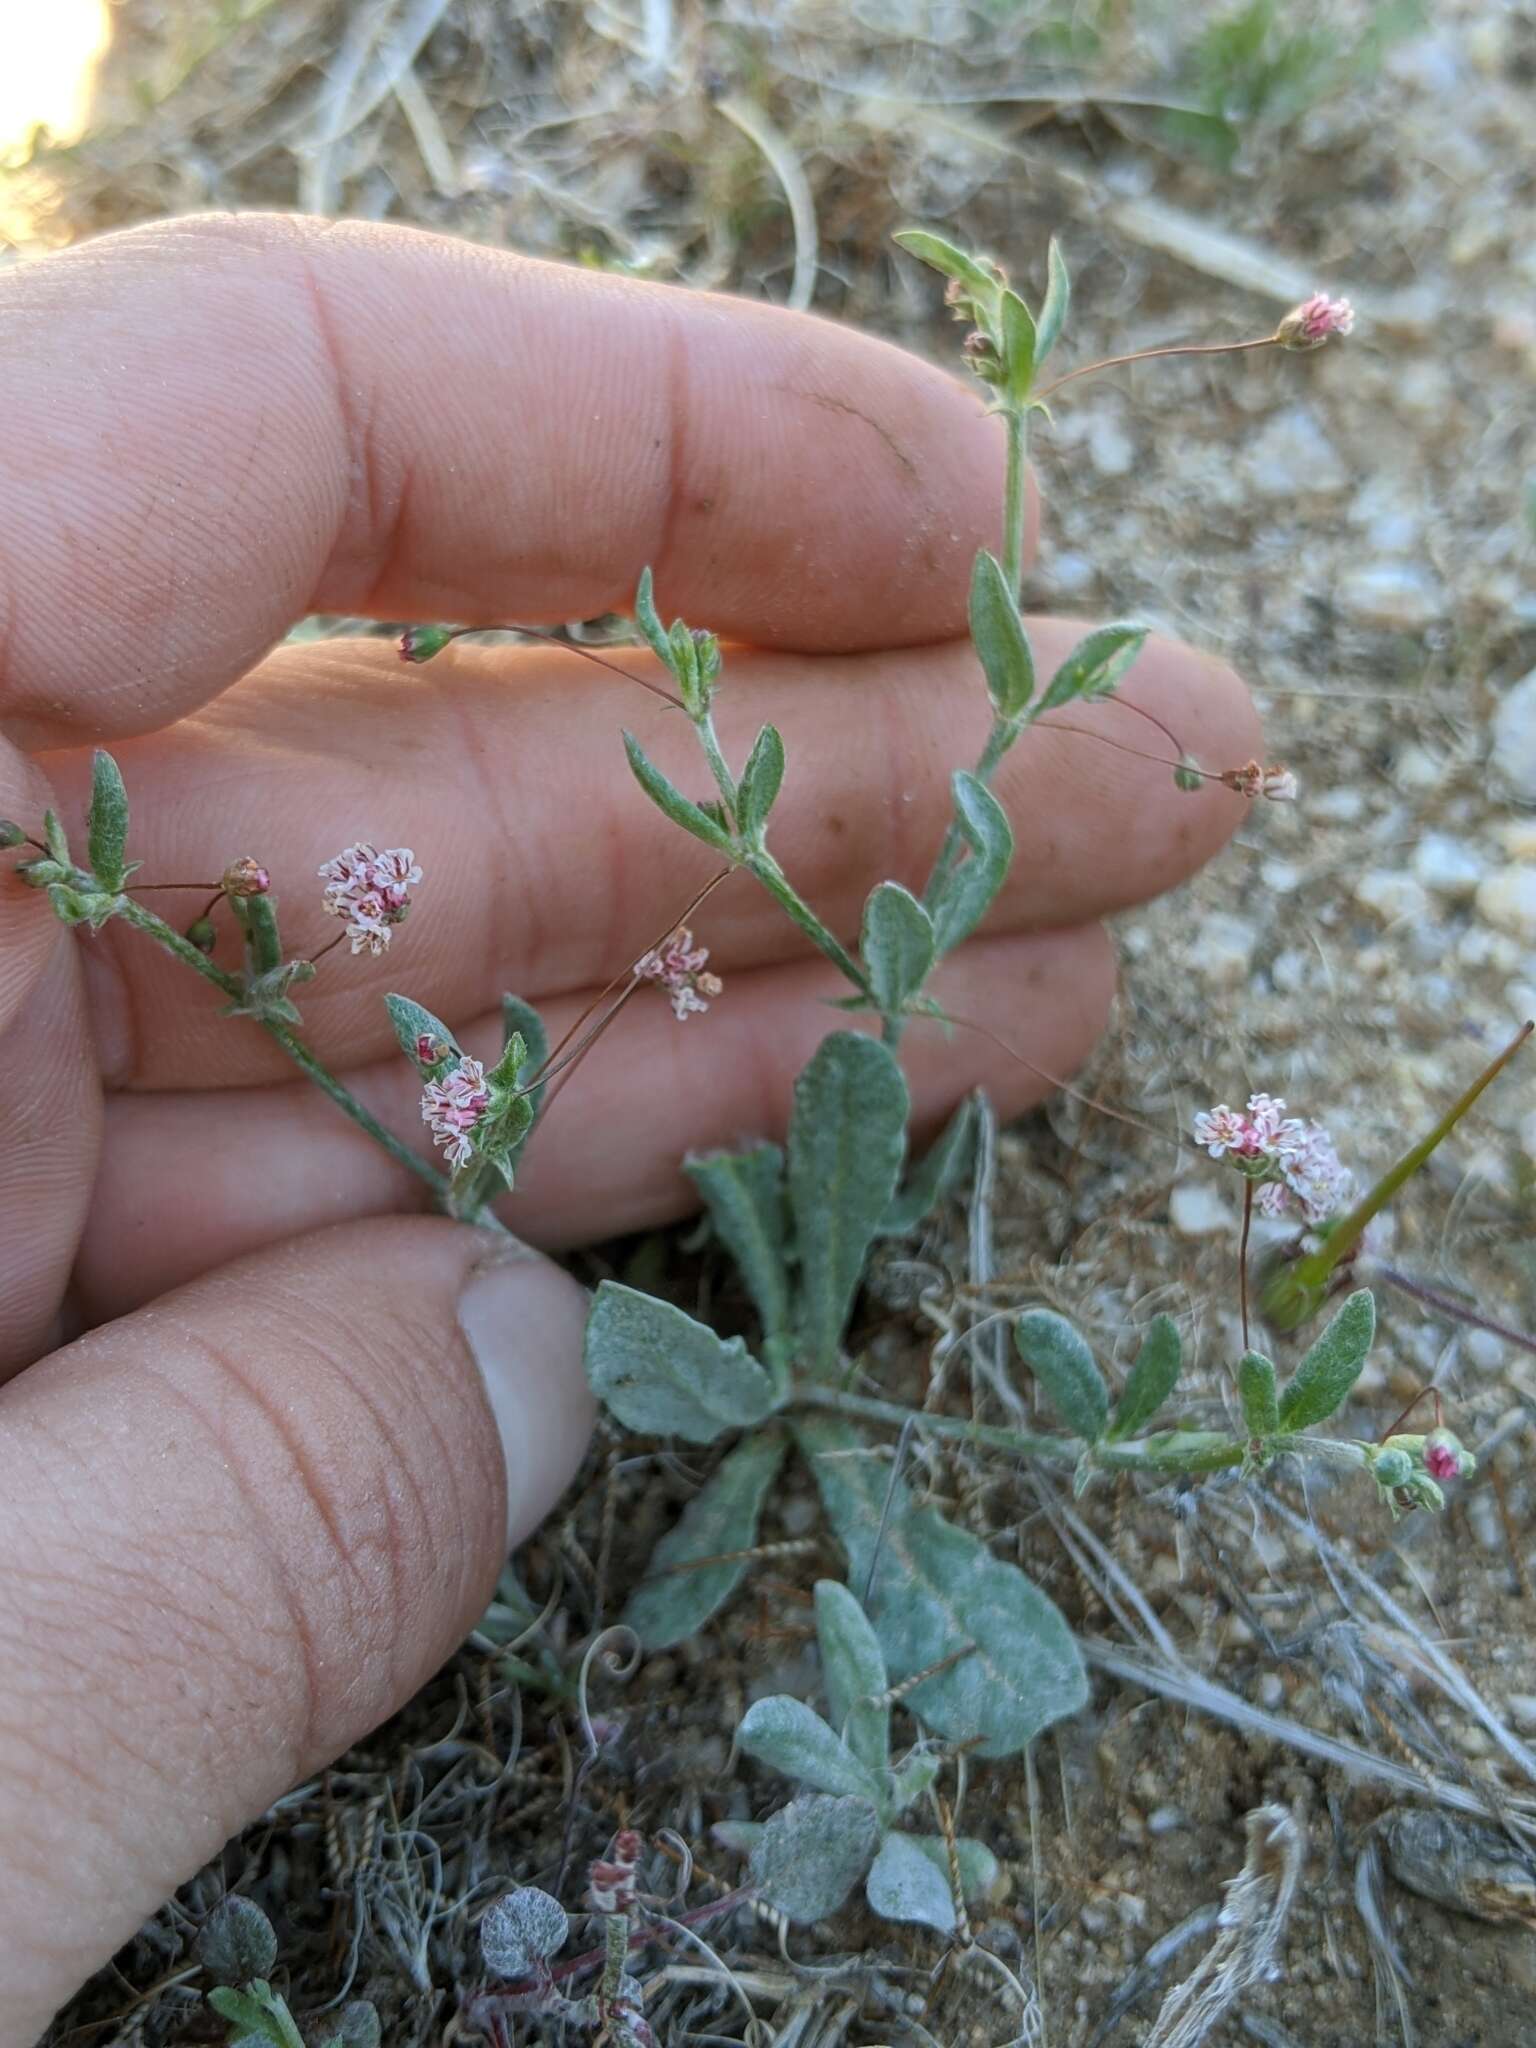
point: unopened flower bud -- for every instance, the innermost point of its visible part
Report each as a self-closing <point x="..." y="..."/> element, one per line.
<point x="1310" y="324"/>
<point x="1391" y="1466"/>
<point x="430" y="1050"/>
<point x="245" y="877"/>
<point x="202" y="935"/>
<point x="955" y="293"/>
<point x="1445" y="1456"/>
<point x="1279" y="785"/>
<point x="1188" y="775"/>
<point x="11" y="834"/>
<point x="420" y="643"/>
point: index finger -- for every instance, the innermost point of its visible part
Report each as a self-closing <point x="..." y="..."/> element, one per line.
<point x="218" y="425"/>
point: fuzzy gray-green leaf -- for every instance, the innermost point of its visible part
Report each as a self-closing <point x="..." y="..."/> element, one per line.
<point x="744" y="1194"/>
<point x="905" y="1885"/>
<point x="1065" y="1368"/>
<point x="813" y="1852"/>
<point x="661" y="1372"/>
<point x="1256" y="1391"/>
<point x="649" y="622"/>
<point x="950" y="262"/>
<point x="1322" y="1381"/>
<point x="1152" y="1378"/>
<point x="934" y="1174"/>
<point x="789" y="1737"/>
<point x="1017" y="331"/>
<point x="413" y="1024"/>
<point x="969" y="889"/>
<point x="896" y="947"/>
<point x="1094" y="666"/>
<point x="759" y="784"/>
<point x="106" y="822"/>
<point x="1000" y="639"/>
<point x="520" y="1019"/>
<point x="847" y="1135"/>
<point x="939" y="1593"/>
<point x="671" y="802"/>
<point x="853" y="1672"/>
<point x="678" y="1594"/>
<point x="1054" y="307"/>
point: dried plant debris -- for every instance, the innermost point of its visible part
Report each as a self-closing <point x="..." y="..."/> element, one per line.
<point x="1463" y="1864"/>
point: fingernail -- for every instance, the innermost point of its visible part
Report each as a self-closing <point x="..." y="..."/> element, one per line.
<point x="522" y="1319"/>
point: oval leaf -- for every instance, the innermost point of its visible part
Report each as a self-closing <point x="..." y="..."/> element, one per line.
<point x="1065" y="1368"/>
<point x="810" y="1856"/>
<point x="680" y="1592"/>
<point x="1053" y="310"/>
<point x="847" y="1135"/>
<point x="1256" y="1391"/>
<point x="1017" y="328"/>
<point x="522" y="1020"/>
<point x="1094" y="666"/>
<point x="939" y="1593"/>
<point x="744" y="1194"/>
<point x="1152" y="1378"/>
<point x="106" y="822"/>
<point x="968" y="890"/>
<point x="522" y="1929"/>
<point x="904" y="1884"/>
<point x="671" y="802"/>
<point x="1322" y="1381"/>
<point x="759" y="784"/>
<point x="661" y="1372"/>
<point x="897" y="946"/>
<point x="649" y="621"/>
<point x="998" y="635"/>
<point x="853" y="1672"/>
<point x="784" y="1734"/>
<point x="949" y="262"/>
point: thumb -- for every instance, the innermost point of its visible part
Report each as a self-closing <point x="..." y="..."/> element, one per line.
<point x="240" y="1528"/>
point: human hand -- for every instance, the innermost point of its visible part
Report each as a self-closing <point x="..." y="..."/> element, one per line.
<point x="252" y="1509"/>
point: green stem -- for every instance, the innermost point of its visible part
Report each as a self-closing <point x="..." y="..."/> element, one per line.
<point x="156" y="927"/>
<point x="1177" y="1450"/>
<point x="1015" y="495"/>
<point x="709" y="740"/>
<point x="761" y="863"/>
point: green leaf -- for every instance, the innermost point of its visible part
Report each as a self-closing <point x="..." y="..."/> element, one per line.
<point x="896" y="947"/>
<point x="847" y="1134"/>
<point x="1094" y="666"/>
<point x="969" y="889"/>
<point x="259" y="2013"/>
<point x="950" y="262"/>
<point x="106" y="822"/>
<point x="237" y="1941"/>
<point x="1053" y="310"/>
<point x="678" y="1593"/>
<point x="649" y="622"/>
<point x="912" y="1778"/>
<point x="1256" y="1391"/>
<point x="935" y="1173"/>
<point x="1000" y="639"/>
<point x="744" y="1194"/>
<point x="671" y="802"/>
<point x="905" y="1885"/>
<point x="853" y="1672"/>
<point x="1065" y="1368"/>
<point x="412" y="1022"/>
<point x="1322" y="1381"/>
<point x="939" y="1593"/>
<point x="520" y="1019"/>
<point x="759" y="784"/>
<point x="811" y="1854"/>
<point x="55" y="839"/>
<point x="787" y="1736"/>
<point x="1018" y="346"/>
<point x="257" y="917"/>
<point x="1152" y="1378"/>
<point x="661" y="1372"/>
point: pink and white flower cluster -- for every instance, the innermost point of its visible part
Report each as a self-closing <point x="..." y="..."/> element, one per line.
<point x="1300" y="1171"/>
<point x="454" y="1106"/>
<point x="677" y="967"/>
<point x="1310" y="324"/>
<point x="371" y="890"/>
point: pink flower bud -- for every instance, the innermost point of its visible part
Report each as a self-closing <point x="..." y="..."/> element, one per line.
<point x="429" y="1050"/>
<point x="678" y="966"/>
<point x="1445" y="1457"/>
<point x="1310" y="324"/>
<point x="420" y="643"/>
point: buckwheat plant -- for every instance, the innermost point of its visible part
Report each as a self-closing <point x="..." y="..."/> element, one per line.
<point x="976" y="1652"/>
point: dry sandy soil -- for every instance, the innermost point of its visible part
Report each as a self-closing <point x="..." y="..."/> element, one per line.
<point x="1353" y="531"/>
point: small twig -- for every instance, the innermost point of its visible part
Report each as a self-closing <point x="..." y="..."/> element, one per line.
<point x="1146" y="355"/>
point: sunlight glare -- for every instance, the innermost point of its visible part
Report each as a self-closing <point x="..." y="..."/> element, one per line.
<point x="48" y="59"/>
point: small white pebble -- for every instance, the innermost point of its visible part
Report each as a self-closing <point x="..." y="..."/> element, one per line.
<point x="1224" y="948"/>
<point x="1507" y="901"/>
<point x="1271" y="1690"/>
<point x="1390" y="594"/>
<point x="1522" y="1710"/>
<point x="1165" y="1820"/>
<point x="1417" y="768"/>
<point x="1392" y="896"/>
<point x="1484" y="1349"/>
<point x="1341" y="806"/>
<point x="1195" y="1209"/>
<point x="1447" y="866"/>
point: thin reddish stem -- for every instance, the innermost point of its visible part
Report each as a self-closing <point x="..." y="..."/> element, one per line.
<point x="1146" y="355"/>
<point x="1120" y="1116"/>
<point x="574" y="647"/>
<point x="150" y="888"/>
<point x="1424" y="1394"/>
